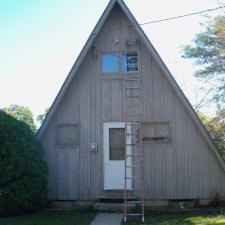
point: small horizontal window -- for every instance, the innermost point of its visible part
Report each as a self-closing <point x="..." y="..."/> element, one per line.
<point x="130" y="62"/>
<point x="156" y="132"/>
<point x="110" y="62"/>
<point x="68" y="135"/>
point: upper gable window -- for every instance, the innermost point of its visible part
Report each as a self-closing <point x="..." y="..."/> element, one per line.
<point x="110" y="62"/>
<point x="130" y="62"/>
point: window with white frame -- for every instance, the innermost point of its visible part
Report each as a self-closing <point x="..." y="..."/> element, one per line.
<point x="115" y="62"/>
<point x="68" y="135"/>
<point x="156" y="132"/>
<point x="129" y="62"/>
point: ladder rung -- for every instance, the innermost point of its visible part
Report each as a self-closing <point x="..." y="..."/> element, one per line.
<point x="134" y="155"/>
<point x="132" y="88"/>
<point x="132" y="133"/>
<point x="133" y="166"/>
<point x="132" y="106"/>
<point x="133" y="177"/>
<point x="133" y="114"/>
<point x="133" y="79"/>
<point x="133" y="123"/>
<point x="131" y="144"/>
<point x="134" y="214"/>
<point x="133" y="96"/>
<point x="134" y="201"/>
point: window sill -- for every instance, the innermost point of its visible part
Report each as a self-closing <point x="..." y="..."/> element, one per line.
<point x="69" y="147"/>
<point x="119" y="75"/>
<point x="157" y="143"/>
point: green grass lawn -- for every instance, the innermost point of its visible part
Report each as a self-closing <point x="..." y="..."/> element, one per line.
<point x="179" y="219"/>
<point x="51" y="218"/>
<point x="85" y="217"/>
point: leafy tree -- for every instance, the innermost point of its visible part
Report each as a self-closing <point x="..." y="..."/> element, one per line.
<point x="41" y="117"/>
<point x="23" y="172"/>
<point x="216" y="127"/>
<point x="208" y="51"/>
<point x="21" y="113"/>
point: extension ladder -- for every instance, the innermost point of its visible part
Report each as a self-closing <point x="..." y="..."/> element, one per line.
<point x="134" y="156"/>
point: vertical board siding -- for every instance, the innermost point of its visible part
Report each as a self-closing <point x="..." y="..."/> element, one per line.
<point x="203" y="167"/>
<point x="67" y="173"/>
<point x="184" y="169"/>
<point x="170" y="150"/>
<point x="180" y="150"/>
<point x="191" y="161"/>
<point x="115" y="100"/>
<point x="147" y="82"/>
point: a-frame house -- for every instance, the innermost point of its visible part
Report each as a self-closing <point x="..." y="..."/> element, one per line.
<point x="83" y="132"/>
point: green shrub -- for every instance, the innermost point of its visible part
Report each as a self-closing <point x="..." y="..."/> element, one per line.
<point x="23" y="172"/>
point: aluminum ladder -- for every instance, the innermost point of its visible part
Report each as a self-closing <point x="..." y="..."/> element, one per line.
<point x="134" y="155"/>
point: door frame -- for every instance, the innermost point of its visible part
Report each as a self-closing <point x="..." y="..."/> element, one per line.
<point x="119" y="163"/>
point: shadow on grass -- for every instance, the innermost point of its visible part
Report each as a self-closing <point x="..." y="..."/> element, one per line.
<point x="48" y="217"/>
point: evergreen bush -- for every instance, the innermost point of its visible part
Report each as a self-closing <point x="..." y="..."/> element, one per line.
<point x="23" y="171"/>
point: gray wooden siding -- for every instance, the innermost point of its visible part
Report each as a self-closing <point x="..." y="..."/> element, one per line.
<point x="186" y="168"/>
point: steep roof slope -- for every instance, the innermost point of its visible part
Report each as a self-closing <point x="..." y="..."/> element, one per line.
<point x="155" y="55"/>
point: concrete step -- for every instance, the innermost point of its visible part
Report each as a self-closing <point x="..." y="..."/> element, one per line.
<point x="113" y="207"/>
<point x="114" y="197"/>
<point x="69" y="205"/>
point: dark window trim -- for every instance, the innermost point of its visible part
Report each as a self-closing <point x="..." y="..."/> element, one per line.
<point x="130" y="72"/>
<point x="61" y="146"/>
<point x="169" y="140"/>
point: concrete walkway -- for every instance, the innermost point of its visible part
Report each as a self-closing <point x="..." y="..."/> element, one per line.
<point x="107" y="219"/>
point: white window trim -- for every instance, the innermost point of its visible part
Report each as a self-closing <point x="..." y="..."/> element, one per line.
<point x="100" y="63"/>
<point x="120" y="72"/>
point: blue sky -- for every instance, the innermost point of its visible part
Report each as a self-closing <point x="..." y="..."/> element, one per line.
<point x="40" y="40"/>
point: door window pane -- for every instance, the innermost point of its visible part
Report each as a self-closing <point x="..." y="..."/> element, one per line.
<point x="116" y="143"/>
<point x="130" y="62"/>
<point x="109" y="62"/>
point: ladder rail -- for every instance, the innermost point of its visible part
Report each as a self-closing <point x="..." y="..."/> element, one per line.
<point x="133" y="130"/>
<point x="125" y="174"/>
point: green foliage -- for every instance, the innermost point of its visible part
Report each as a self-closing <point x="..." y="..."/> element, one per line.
<point x="183" y="205"/>
<point x="23" y="172"/>
<point x="41" y="117"/>
<point x="21" y="113"/>
<point x="208" y="51"/>
<point x="216" y="127"/>
<point x="51" y="218"/>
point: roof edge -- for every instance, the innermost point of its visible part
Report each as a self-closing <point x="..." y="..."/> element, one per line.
<point x="75" y="66"/>
<point x="173" y="83"/>
<point x="155" y="55"/>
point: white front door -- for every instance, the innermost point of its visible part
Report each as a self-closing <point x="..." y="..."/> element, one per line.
<point x="114" y="156"/>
